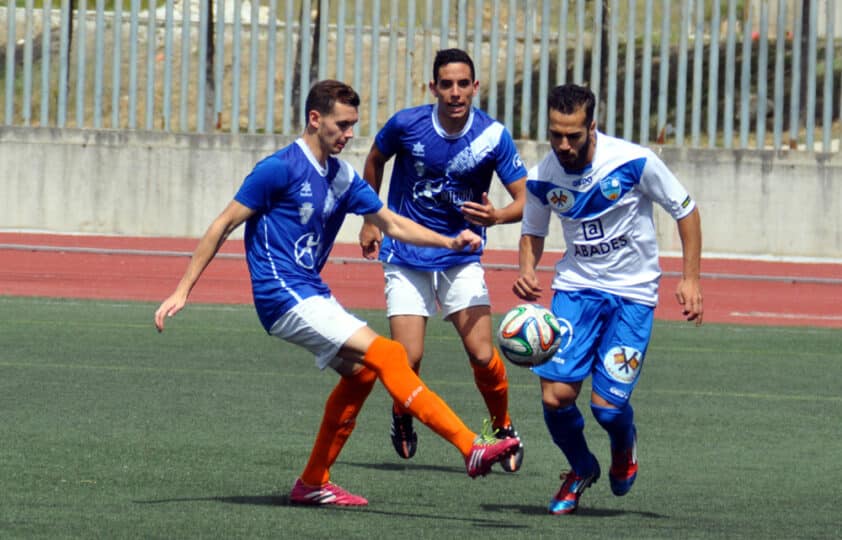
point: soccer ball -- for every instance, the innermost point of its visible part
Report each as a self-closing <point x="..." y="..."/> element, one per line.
<point x="529" y="335"/>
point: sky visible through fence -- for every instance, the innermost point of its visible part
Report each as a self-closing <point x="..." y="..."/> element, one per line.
<point x="698" y="73"/>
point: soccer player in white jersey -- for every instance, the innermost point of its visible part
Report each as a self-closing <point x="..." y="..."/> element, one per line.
<point x="446" y="154"/>
<point x="293" y="204"/>
<point x="606" y="284"/>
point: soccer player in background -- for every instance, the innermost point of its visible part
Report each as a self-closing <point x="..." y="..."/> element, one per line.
<point x="606" y="284"/>
<point x="445" y="156"/>
<point x="293" y="203"/>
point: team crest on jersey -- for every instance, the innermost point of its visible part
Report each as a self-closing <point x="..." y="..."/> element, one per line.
<point x="610" y="188"/>
<point x="623" y="363"/>
<point x="305" y="212"/>
<point x="561" y="199"/>
<point x="305" y="255"/>
<point x="306" y="190"/>
<point x="517" y="163"/>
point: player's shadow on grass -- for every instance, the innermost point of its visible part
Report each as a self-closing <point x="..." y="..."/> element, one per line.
<point x="283" y="500"/>
<point x="524" y="509"/>
<point x="415" y="466"/>
<point x="581" y="511"/>
<point x="258" y="500"/>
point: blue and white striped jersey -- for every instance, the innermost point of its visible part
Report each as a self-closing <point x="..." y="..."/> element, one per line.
<point x="300" y="207"/>
<point x="434" y="173"/>
<point x="606" y="217"/>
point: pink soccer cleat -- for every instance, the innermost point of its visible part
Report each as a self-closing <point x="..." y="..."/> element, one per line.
<point x="488" y="450"/>
<point x="325" y="495"/>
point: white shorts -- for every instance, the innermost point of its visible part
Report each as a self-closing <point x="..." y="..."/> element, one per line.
<point x="419" y="292"/>
<point x="320" y="325"/>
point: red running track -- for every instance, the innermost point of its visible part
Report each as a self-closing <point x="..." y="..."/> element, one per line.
<point x="147" y="269"/>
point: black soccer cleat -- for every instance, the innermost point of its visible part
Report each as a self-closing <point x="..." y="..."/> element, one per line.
<point x="404" y="438"/>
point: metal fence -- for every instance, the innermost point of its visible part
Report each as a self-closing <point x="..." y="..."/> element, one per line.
<point x="713" y="73"/>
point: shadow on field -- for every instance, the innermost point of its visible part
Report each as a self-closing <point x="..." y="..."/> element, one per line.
<point x="502" y="509"/>
<point x="581" y="511"/>
<point x="415" y="466"/>
<point x="283" y="500"/>
<point x="258" y="500"/>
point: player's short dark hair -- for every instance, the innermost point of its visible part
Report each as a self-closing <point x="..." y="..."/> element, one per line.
<point x="451" y="56"/>
<point x="325" y="94"/>
<point x="569" y="98"/>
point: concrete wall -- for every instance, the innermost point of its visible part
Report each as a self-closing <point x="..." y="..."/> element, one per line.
<point x="753" y="203"/>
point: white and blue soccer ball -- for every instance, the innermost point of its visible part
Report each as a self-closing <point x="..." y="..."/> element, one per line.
<point x="529" y="335"/>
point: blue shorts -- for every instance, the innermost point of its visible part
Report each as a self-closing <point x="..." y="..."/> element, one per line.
<point x="605" y="336"/>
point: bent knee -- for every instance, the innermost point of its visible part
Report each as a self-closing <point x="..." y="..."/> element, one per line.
<point x="558" y="395"/>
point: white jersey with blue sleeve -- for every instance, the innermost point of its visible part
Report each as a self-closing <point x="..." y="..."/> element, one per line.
<point x="299" y="207"/>
<point x="434" y="173"/>
<point x="606" y="217"/>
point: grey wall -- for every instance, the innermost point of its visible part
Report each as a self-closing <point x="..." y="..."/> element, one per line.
<point x="753" y="203"/>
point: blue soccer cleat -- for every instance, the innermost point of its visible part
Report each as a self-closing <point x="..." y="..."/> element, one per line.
<point x="566" y="501"/>
<point x="623" y="471"/>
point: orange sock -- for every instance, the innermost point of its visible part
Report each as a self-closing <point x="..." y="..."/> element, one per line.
<point x="493" y="384"/>
<point x="338" y="422"/>
<point x="388" y="359"/>
<point x="397" y="407"/>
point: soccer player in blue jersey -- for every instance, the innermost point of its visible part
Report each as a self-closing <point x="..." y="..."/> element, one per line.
<point x="445" y="156"/>
<point x="293" y="204"/>
<point x="606" y="284"/>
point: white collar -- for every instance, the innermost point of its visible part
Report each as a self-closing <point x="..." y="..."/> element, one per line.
<point x="312" y="158"/>
<point x="444" y="134"/>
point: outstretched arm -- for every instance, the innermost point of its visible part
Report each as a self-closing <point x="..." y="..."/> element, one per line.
<point x="370" y="235"/>
<point x="408" y="231"/>
<point x="230" y="218"/>
<point x="689" y="291"/>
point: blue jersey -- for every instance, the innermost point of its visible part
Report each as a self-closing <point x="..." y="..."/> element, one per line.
<point x="299" y="209"/>
<point x="435" y="172"/>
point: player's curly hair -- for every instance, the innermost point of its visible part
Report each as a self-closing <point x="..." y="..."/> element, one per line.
<point x="569" y="98"/>
<point x="451" y="56"/>
<point x="325" y="94"/>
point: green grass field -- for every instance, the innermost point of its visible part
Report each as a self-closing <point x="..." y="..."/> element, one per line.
<point x="109" y="430"/>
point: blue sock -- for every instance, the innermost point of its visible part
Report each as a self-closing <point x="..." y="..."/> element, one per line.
<point x="619" y="423"/>
<point x="567" y="428"/>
